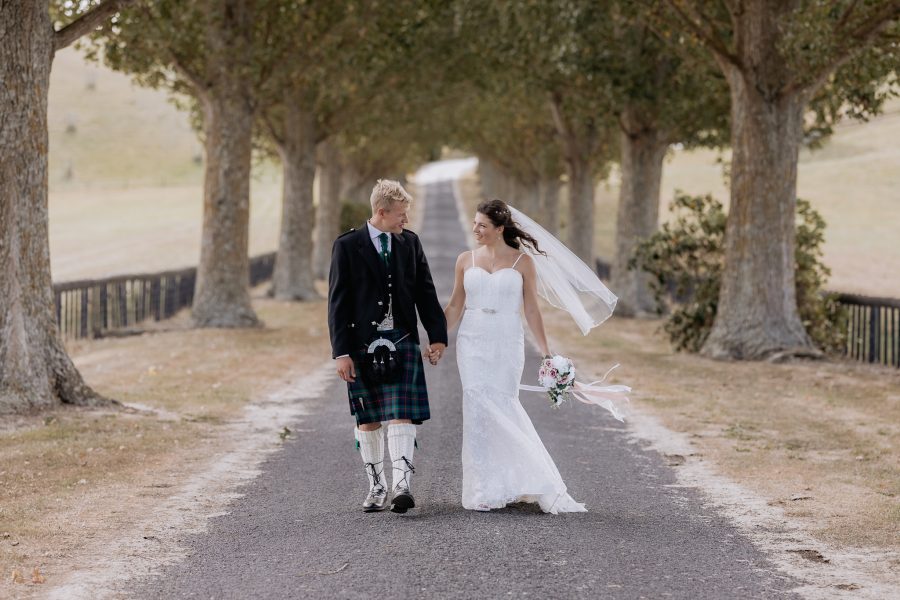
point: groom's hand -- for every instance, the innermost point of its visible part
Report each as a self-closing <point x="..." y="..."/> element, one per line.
<point x="346" y="369"/>
<point x="435" y="351"/>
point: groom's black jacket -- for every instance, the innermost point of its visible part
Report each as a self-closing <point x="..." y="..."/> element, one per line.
<point x="358" y="287"/>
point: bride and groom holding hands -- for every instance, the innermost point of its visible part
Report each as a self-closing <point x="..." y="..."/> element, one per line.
<point x="380" y="279"/>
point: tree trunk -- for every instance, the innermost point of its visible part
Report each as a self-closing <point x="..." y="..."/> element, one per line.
<point x="497" y="183"/>
<point x="293" y="277"/>
<point x="328" y="215"/>
<point x="222" y="298"/>
<point x="354" y="186"/>
<point x="529" y="199"/>
<point x="581" y="209"/>
<point x="488" y="177"/>
<point x="757" y="313"/>
<point x="549" y="189"/>
<point x="35" y="371"/>
<point x="643" y="148"/>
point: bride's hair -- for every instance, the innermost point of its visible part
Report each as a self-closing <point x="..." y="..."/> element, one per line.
<point x="498" y="213"/>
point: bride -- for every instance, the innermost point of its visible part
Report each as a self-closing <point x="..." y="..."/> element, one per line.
<point x="504" y="460"/>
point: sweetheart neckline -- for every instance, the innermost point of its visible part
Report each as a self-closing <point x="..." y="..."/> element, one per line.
<point x="495" y="272"/>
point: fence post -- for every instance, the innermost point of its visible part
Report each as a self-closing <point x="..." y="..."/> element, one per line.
<point x="874" y="334"/>
<point x="155" y="300"/>
<point x="59" y="321"/>
<point x="85" y="302"/>
<point x="121" y="291"/>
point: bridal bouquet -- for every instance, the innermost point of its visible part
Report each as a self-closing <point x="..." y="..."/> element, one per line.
<point x="557" y="376"/>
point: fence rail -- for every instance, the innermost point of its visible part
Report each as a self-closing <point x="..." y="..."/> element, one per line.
<point x="92" y="307"/>
<point x="873" y="329"/>
<point x="873" y="326"/>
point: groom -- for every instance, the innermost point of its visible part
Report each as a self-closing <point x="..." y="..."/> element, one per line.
<point x="379" y="277"/>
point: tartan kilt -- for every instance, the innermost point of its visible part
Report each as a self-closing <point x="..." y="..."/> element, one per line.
<point x="406" y="399"/>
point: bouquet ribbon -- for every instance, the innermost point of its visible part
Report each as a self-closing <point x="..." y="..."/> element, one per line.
<point x="594" y="393"/>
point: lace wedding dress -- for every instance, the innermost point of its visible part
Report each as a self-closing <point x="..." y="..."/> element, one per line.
<point x="503" y="458"/>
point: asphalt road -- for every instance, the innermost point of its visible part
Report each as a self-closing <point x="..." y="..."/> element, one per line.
<point x="298" y="531"/>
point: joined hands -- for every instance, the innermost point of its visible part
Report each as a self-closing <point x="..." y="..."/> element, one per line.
<point x="434" y="352"/>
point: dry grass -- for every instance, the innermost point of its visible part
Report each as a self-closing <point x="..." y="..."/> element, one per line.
<point x="104" y="232"/>
<point x="132" y="201"/>
<point x="116" y="134"/>
<point x="72" y="475"/>
<point x="825" y="431"/>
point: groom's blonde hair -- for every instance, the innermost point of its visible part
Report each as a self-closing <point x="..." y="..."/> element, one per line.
<point x="387" y="193"/>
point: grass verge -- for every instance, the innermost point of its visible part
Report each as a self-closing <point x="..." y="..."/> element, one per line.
<point x="71" y="476"/>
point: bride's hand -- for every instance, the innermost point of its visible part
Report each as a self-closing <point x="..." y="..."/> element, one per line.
<point x="434" y="353"/>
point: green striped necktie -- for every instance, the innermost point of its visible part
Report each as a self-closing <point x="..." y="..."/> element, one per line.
<point x="385" y="253"/>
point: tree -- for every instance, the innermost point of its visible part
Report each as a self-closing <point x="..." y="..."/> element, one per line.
<point x="35" y="370"/>
<point x="511" y="131"/>
<point x="355" y="78"/>
<point x="548" y="43"/>
<point x="219" y="53"/>
<point x="660" y="94"/>
<point x="779" y="59"/>
<point x="328" y="213"/>
<point x="532" y="45"/>
<point x="295" y="117"/>
<point x="616" y="90"/>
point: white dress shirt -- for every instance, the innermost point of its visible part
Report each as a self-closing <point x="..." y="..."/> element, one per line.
<point x="374" y="232"/>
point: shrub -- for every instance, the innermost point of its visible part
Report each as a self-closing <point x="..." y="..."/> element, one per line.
<point x="685" y="258"/>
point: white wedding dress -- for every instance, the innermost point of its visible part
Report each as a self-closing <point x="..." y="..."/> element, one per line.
<point x="503" y="458"/>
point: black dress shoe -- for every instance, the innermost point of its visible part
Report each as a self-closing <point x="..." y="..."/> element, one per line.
<point x="376" y="500"/>
<point x="403" y="500"/>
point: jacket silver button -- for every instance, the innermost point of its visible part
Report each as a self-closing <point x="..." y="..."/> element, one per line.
<point x="380" y="303"/>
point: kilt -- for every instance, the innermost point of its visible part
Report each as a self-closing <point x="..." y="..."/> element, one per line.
<point x="406" y="399"/>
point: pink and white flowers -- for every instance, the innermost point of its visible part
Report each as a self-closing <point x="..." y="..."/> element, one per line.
<point x="557" y="376"/>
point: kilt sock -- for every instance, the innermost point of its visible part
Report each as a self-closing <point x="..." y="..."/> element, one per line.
<point x="402" y="443"/>
<point x="371" y="448"/>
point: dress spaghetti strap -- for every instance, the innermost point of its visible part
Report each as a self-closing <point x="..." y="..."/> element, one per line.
<point x="517" y="260"/>
<point x="473" y="257"/>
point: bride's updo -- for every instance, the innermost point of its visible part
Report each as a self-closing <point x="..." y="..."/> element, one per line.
<point x="500" y="216"/>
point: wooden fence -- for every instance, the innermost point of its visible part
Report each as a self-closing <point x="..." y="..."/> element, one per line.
<point x="92" y="307"/>
<point x="873" y="329"/>
<point x="873" y="326"/>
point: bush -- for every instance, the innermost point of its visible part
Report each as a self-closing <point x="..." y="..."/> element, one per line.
<point x="685" y="257"/>
<point x="824" y="318"/>
<point x="354" y="215"/>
